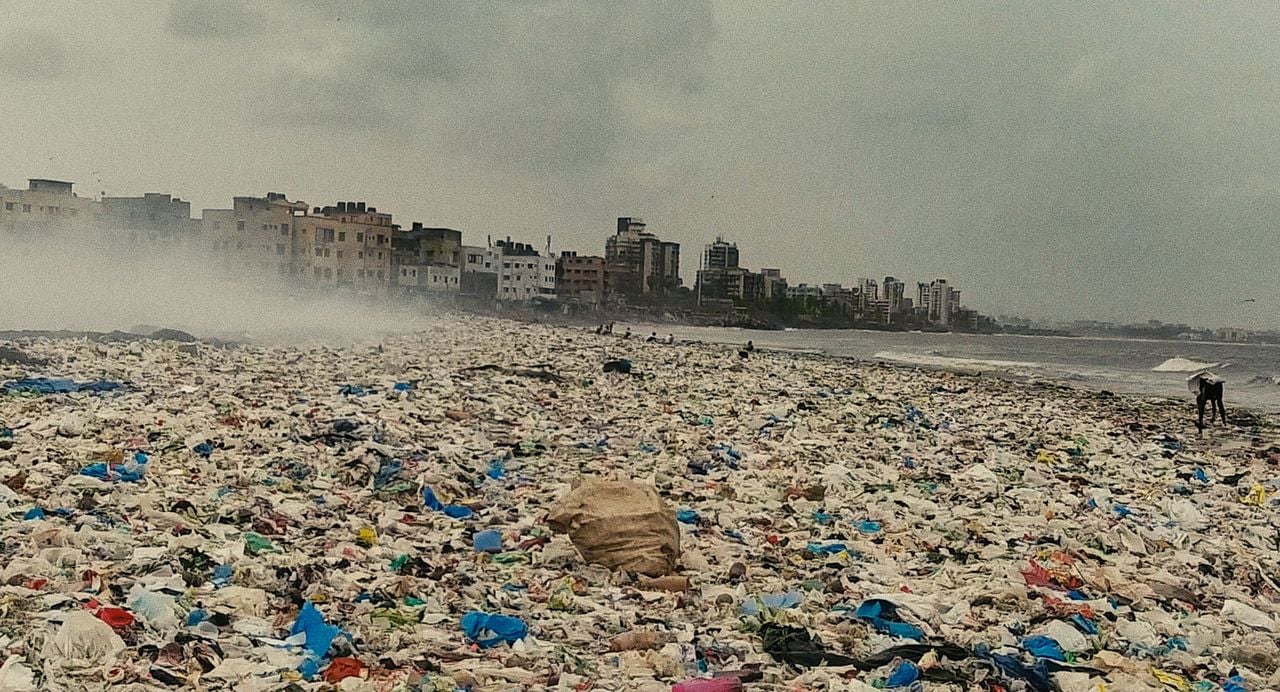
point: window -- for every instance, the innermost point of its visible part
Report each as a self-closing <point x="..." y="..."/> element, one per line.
<point x="506" y="277"/>
<point x="265" y="227"/>
<point x="53" y="210"/>
<point x="319" y="252"/>
<point x="506" y="265"/>
<point x="403" y="272"/>
<point x="379" y="255"/>
<point x="328" y="273"/>
<point x="339" y="254"/>
<point x="359" y="237"/>
<point x="284" y="230"/>
<point x="342" y="236"/>
<point x="326" y="252"/>
<point x="26" y="208"/>
<point x="360" y="254"/>
<point x="279" y="248"/>
<point x="239" y="225"/>
<point x="8" y="206"/>
<point x="380" y="276"/>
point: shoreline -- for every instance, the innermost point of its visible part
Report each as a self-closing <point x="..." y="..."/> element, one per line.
<point x="1253" y="410"/>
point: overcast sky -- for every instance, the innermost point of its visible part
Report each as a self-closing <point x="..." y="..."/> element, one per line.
<point x="1108" y="160"/>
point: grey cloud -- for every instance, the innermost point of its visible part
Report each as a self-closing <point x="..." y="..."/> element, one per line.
<point x="33" y="55"/>
<point x="216" y="19"/>
<point x="538" y="85"/>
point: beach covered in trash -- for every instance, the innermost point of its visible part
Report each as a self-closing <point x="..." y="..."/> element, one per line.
<point x="493" y="505"/>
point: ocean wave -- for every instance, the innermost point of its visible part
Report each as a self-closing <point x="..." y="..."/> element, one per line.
<point x="955" y="363"/>
<point x="1183" y="365"/>
<point x="1265" y="381"/>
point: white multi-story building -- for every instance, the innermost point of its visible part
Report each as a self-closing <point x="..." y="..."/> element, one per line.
<point x="524" y="274"/>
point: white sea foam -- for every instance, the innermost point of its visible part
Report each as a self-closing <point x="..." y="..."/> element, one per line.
<point x="952" y="363"/>
<point x="1180" y="364"/>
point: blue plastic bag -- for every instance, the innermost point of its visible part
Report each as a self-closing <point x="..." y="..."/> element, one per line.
<point x="497" y="470"/>
<point x="903" y="674"/>
<point x="688" y="516"/>
<point x="45" y="385"/>
<point x="488" y="630"/>
<point x="114" y="472"/>
<point x="319" y="634"/>
<point x="433" y="503"/>
<point x="883" y="616"/>
<point x="868" y="526"/>
<point x="828" y="549"/>
<point x="1044" y="647"/>
<point x="487" y="542"/>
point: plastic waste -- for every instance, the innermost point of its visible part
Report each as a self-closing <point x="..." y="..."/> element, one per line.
<point x="883" y="616"/>
<point x="317" y="635"/>
<point x="1044" y="647"/>
<point x="487" y="541"/>
<point x="44" y="385"/>
<point x="489" y="630"/>
<point x="454" y="511"/>
<point x="709" y="685"/>
<point x="1129" y="549"/>
<point x="903" y="675"/>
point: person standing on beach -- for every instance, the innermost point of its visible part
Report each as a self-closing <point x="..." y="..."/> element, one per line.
<point x="1208" y="390"/>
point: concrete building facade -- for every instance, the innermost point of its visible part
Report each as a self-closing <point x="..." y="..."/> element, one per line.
<point x="427" y="260"/>
<point x="525" y="274"/>
<point x="654" y="264"/>
<point x="581" y="279"/>
<point x="45" y="204"/>
<point x="153" y="216"/>
<point x="347" y="245"/>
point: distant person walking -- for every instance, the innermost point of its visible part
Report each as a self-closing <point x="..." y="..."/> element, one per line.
<point x="1208" y="390"/>
<point x="653" y="336"/>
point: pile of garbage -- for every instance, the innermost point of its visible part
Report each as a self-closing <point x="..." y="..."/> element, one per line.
<point x="492" y="505"/>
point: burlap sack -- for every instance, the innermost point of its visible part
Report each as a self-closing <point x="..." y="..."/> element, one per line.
<point x="621" y="525"/>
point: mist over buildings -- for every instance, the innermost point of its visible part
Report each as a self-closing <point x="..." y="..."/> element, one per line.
<point x="89" y="277"/>
<point x="1082" y="160"/>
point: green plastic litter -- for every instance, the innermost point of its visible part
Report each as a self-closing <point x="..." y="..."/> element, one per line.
<point x="257" y="543"/>
<point x="398" y="563"/>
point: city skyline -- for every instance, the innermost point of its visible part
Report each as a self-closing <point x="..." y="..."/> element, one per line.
<point x="1115" y="154"/>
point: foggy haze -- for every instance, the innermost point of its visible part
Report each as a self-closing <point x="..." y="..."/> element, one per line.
<point x="1069" y="160"/>
<point x="86" y="279"/>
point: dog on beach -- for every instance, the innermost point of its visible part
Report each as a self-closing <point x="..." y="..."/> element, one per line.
<point x="1208" y="390"/>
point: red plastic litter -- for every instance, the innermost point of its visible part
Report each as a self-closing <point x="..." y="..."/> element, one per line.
<point x="343" y="668"/>
<point x="1038" y="576"/>
<point x="118" y="618"/>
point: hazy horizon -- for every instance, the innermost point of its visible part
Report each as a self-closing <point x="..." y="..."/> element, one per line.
<point x="1083" y="161"/>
